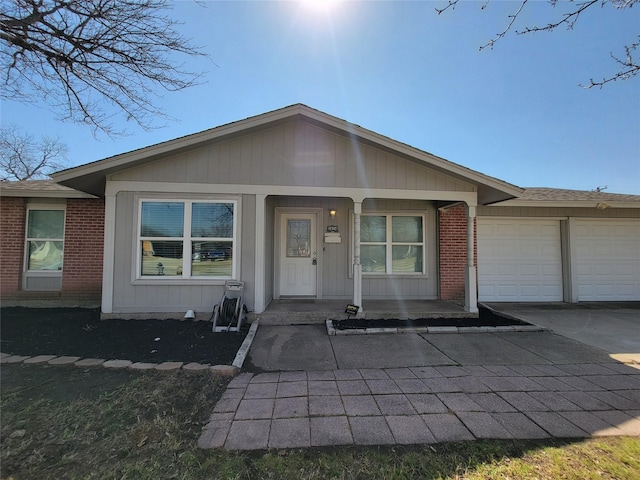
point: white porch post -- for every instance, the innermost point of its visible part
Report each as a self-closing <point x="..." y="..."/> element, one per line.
<point x="109" y="252"/>
<point x="357" y="267"/>
<point x="471" y="288"/>
<point x="259" y="284"/>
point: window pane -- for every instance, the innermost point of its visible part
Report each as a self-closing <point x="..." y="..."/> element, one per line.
<point x="212" y="220"/>
<point x="373" y="229"/>
<point x="161" y="258"/>
<point x="407" y="229"/>
<point x="373" y="258"/>
<point x="46" y="224"/>
<point x="45" y="256"/>
<point x="298" y="238"/>
<point x="162" y="219"/>
<point x="407" y="258"/>
<point x="211" y="259"/>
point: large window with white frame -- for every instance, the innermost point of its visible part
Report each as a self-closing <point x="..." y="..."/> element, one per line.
<point x="392" y="244"/>
<point x="187" y="239"/>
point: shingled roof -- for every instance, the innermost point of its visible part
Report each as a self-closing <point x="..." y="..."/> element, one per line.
<point x="39" y="188"/>
<point x="551" y="197"/>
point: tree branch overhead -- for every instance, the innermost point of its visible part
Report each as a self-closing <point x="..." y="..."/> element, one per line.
<point x="78" y="53"/>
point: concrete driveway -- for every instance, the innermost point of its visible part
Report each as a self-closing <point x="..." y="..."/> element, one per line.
<point x="308" y="347"/>
<point x="613" y="327"/>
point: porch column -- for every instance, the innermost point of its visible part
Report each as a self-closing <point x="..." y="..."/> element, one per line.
<point x="259" y="285"/>
<point x="357" y="267"/>
<point x="471" y="288"/>
<point x="108" y="255"/>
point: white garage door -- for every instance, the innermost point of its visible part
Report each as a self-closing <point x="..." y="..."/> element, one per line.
<point x="519" y="260"/>
<point x="606" y="257"/>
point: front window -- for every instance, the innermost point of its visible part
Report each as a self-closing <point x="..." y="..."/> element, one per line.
<point x="187" y="239"/>
<point x="392" y="244"/>
<point x="45" y="239"/>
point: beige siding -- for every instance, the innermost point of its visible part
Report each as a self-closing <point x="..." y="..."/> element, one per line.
<point x="408" y="287"/>
<point x="132" y="297"/>
<point x="295" y="153"/>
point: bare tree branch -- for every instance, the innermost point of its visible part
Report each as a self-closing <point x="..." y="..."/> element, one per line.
<point x="92" y="60"/>
<point x="24" y="158"/>
<point x="628" y="67"/>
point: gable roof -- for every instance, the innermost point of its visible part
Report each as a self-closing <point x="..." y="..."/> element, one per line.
<point x="91" y="177"/>
<point x="558" y="197"/>
<point x="39" y="189"/>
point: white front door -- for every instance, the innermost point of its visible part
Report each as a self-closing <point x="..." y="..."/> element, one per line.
<point x="298" y="254"/>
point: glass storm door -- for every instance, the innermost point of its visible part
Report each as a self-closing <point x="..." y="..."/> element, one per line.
<point x="298" y="255"/>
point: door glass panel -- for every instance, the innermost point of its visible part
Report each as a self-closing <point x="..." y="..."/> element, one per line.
<point x="298" y="238"/>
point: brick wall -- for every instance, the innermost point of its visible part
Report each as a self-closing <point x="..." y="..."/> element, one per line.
<point x="83" y="251"/>
<point x="452" y="238"/>
<point x="12" y="218"/>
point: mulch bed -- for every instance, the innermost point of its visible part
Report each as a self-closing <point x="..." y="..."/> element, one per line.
<point x="487" y="318"/>
<point x="80" y="332"/>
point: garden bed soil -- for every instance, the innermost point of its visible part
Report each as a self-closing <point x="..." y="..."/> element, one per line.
<point x="486" y="318"/>
<point x="80" y="332"/>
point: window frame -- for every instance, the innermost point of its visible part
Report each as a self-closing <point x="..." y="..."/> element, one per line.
<point x="389" y="243"/>
<point x="29" y="273"/>
<point x="187" y="241"/>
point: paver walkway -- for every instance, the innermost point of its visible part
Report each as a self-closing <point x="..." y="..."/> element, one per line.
<point x="426" y="404"/>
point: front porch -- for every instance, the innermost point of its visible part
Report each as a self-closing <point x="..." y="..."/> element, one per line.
<point x="305" y="311"/>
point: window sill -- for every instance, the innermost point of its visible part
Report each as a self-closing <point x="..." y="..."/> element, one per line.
<point x="179" y="281"/>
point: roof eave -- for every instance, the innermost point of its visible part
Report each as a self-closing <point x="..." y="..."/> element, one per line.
<point x="602" y="205"/>
<point x="91" y="177"/>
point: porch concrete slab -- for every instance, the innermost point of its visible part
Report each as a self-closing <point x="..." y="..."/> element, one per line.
<point x="286" y="348"/>
<point x="484" y="349"/>
<point x="492" y="402"/>
<point x="360" y="405"/>
<point x="386" y="351"/>
<point x="611" y="326"/>
<point x="556" y="349"/>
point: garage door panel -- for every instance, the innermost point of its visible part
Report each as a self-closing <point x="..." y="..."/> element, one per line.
<point x="607" y="259"/>
<point x="519" y="260"/>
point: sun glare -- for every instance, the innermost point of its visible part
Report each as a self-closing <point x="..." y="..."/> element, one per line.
<point x="320" y="5"/>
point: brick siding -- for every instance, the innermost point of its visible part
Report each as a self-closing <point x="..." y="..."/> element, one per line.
<point x="452" y="238"/>
<point x="83" y="253"/>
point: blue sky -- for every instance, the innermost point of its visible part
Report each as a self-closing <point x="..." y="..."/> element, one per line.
<point x="515" y="112"/>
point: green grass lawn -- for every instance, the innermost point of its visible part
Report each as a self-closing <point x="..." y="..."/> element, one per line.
<point x="68" y="423"/>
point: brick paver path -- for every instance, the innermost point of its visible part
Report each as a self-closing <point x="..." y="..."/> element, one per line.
<point x="424" y="405"/>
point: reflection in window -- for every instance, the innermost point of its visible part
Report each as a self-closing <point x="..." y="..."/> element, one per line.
<point x="187" y="239"/>
<point x="392" y="244"/>
<point x="45" y="239"/>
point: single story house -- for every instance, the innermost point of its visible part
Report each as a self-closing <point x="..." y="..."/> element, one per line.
<point x="302" y="205"/>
